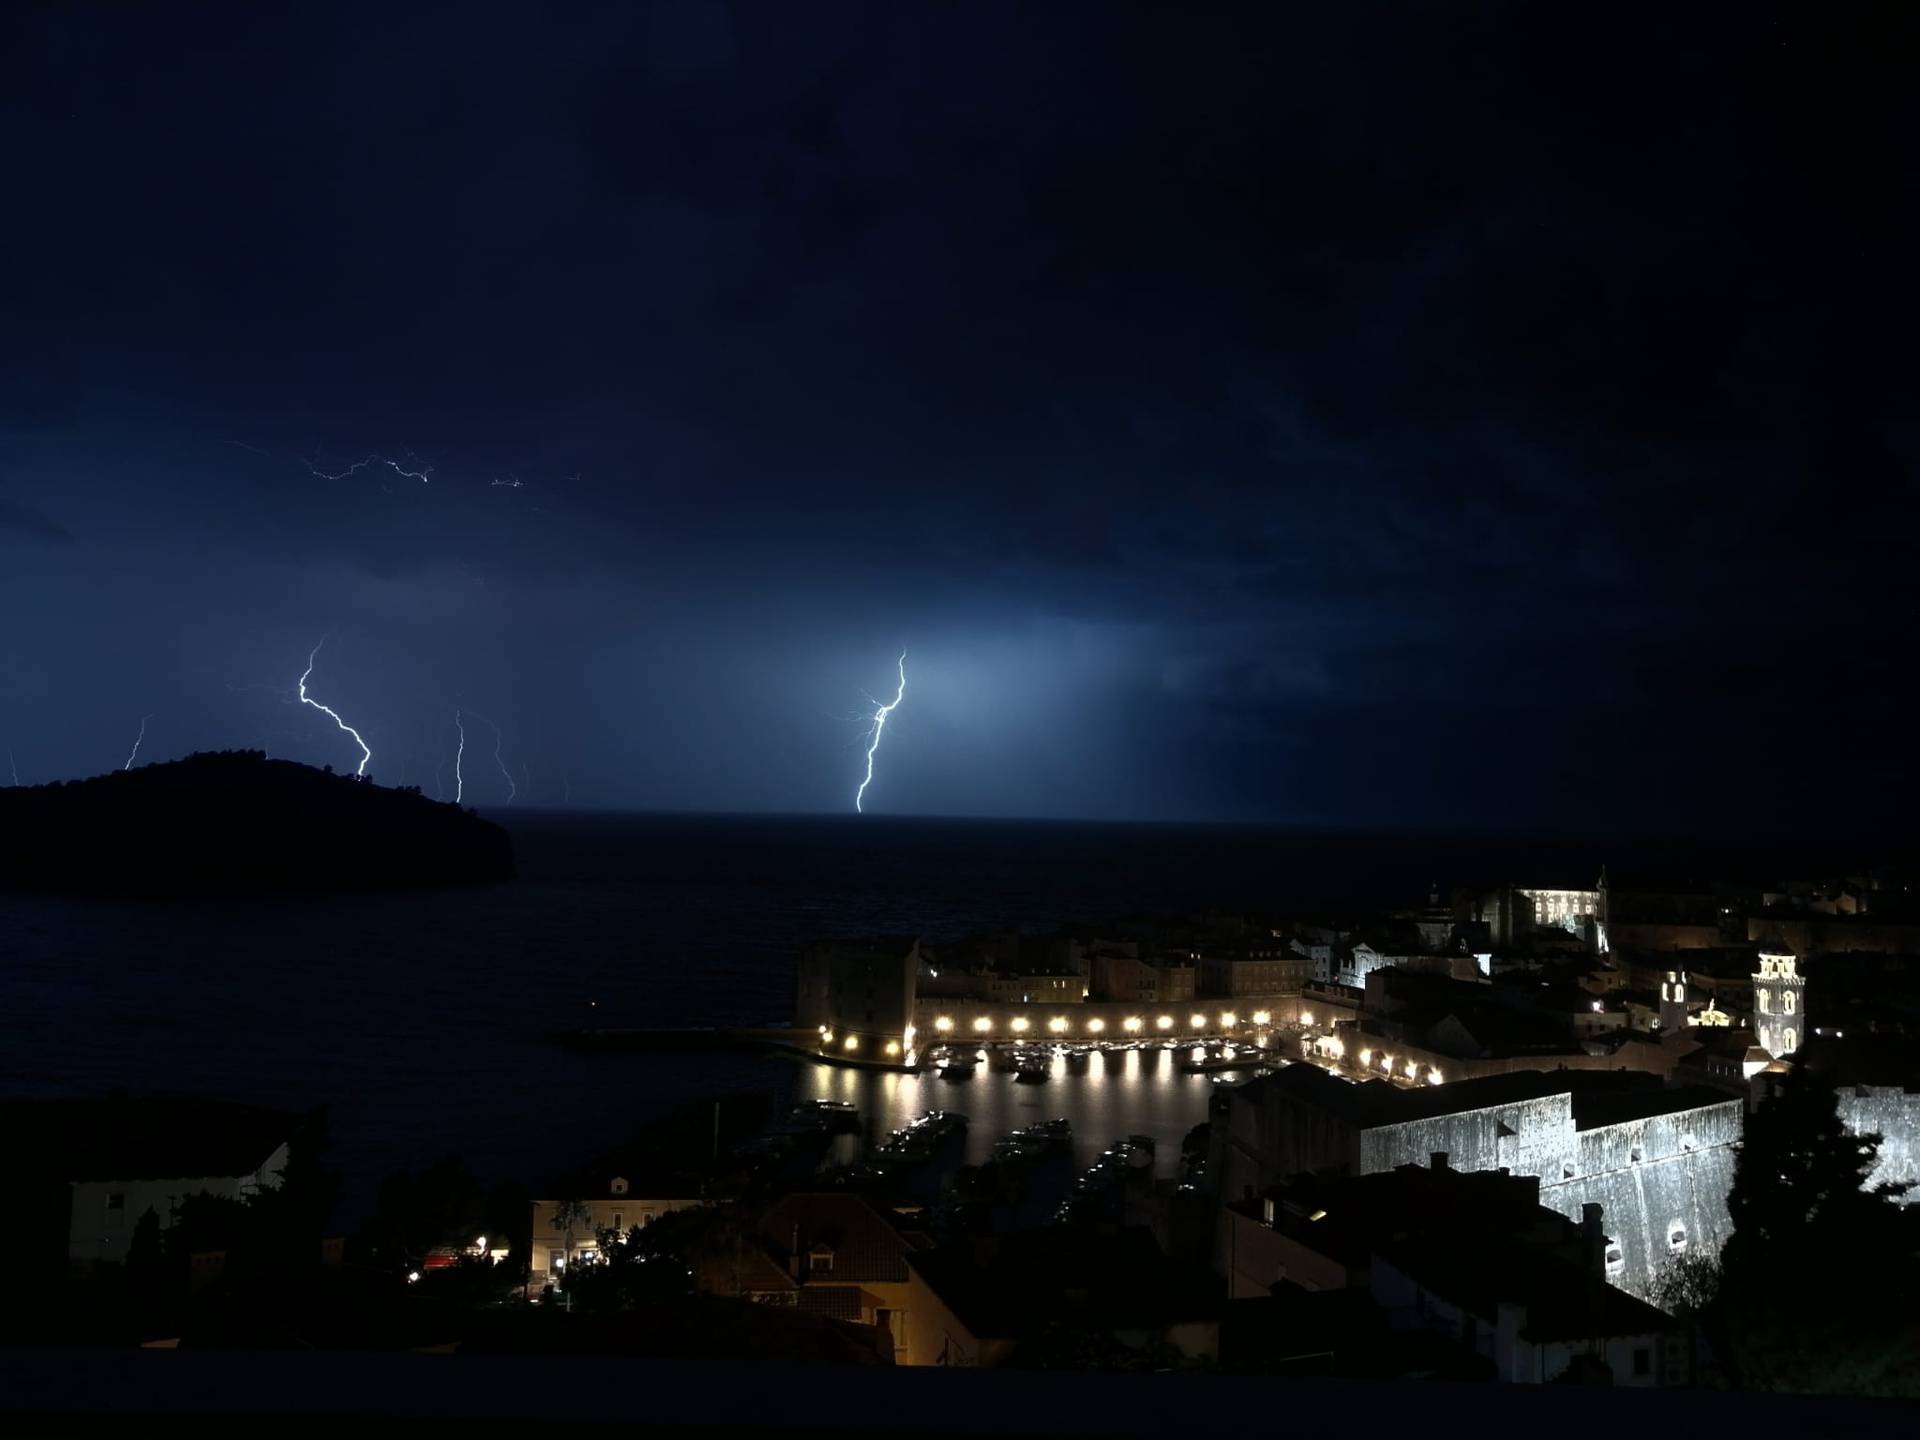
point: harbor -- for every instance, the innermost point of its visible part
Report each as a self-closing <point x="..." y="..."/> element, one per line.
<point x="1099" y="1093"/>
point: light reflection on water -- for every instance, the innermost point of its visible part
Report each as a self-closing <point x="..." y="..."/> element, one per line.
<point x="1131" y="1092"/>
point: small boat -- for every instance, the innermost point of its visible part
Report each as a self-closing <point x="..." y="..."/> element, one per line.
<point x="833" y="1116"/>
<point x="1032" y="1074"/>
<point x="960" y="1067"/>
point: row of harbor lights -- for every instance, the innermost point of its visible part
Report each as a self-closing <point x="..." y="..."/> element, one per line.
<point x="1059" y="1025"/>
<point x="852" y="1043"/>
<point x="1331" y="1047"/>
<point x="1409" y="1069"/>
<point x="1132" y="1025"/>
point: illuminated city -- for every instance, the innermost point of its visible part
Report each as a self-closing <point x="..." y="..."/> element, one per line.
<point x="1237" y="675"/>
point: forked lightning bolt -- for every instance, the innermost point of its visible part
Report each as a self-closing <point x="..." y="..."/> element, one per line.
<point x="136" y="742"/>
<point x="306" y="699"/>
<point x="879" y="724"/>
<point x="424" y="474"/>
<point x="498" y="741"/>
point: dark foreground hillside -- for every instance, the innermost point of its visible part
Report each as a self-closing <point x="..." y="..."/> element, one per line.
<point x="236" y="821"/>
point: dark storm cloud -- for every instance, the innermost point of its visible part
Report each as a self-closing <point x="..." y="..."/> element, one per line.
<point x="1241" y="411"/>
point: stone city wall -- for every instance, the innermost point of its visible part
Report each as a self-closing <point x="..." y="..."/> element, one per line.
<point x="1893" y="1115"/>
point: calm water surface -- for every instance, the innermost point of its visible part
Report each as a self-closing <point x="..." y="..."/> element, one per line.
<point x="425" y="1022"/>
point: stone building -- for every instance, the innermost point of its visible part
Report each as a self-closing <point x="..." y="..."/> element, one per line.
<point x="1143" y="981"/>
<point x="1473" y="1260"/>
<point x="82" y="1173"/>
<point x="1036" y="987"/>
<point x="1658" y="915"/>
<point x="1575" y="911"/>
<point x="980" y="1303"/>
<point x="857" y="996"/>
<point x="1257" y="967"/>
<point x="568" y="1231"/>
<point x="1659" y="1161"/>
<point x="828" y="1254"/>
<point x="1807" y="934"/>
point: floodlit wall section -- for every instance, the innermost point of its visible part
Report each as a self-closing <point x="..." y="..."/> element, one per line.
<point x="1661" y="1181"/>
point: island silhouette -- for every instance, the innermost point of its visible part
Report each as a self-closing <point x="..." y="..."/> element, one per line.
<point x="234" y="821"/>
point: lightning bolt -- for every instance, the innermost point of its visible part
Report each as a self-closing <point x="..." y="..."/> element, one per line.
<point x="459" y="784"/>
<point x="873" y="736"/>
<point x="136" y="742"/>
<point x="423" y="474"/>
<point x="498" y="741"/>
<point x="13" y="767"/>
<point x="306" y="699"/>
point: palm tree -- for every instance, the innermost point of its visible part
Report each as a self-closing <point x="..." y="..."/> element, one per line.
<point x="571" y="1217"/>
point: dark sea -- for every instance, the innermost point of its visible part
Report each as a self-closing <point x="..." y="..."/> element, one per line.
<point x="427" y="1023"/>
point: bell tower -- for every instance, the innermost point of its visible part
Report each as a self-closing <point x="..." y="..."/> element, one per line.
<point x="1673" y="1002"/>
<point x="1779" y="1004"/>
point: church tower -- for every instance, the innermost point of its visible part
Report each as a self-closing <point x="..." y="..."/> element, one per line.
<point x="1673" y="1002"/>
<point x="1779" y="1004"/>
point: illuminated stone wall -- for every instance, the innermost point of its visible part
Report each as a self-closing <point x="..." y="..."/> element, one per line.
<point x="1656" y="1178"/>
<point x="1670" y="1200"/>
<point x="1893" y="1115"/>
<point x="1528" y="1137"/>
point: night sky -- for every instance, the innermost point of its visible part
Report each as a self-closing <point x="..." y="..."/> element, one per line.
<point x="1419" y="415"/>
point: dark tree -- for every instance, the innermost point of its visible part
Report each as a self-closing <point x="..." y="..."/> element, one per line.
<point x="443" y="1206"/>
<point x="1817" y="1284"/>
<point x="626" y="1275"/>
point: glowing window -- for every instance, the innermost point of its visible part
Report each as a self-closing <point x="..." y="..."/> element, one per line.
<point x="1787" y="995"/>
